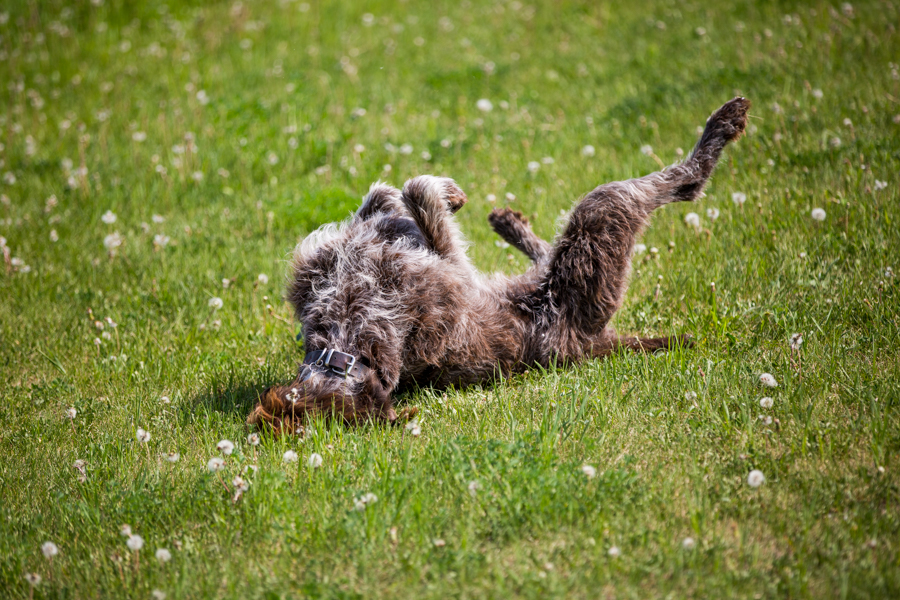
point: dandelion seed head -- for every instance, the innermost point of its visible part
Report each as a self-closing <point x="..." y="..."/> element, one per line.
<point x="314" y="461"/>
<point x="289" y="456"/>
<point x="473" y="488"/>
<point x="109" y="217"/>
<point x="253" y="439"/>
<point x="688" y="543"/>
<point x="692" y="219"/>
<point x="614" y="552"/>
<point x="484" y="105"/>
<point x="768" y="380"/>
<point x="588" y="151"/>
<point x="216" y="303"/>
<point x="163" y="555"/>
<point x="738" y="198"/>
<point x="142" y="435"/>
<point x="534" y="166"/>
<point x="71" y="413"/>
<point x="796" y="341"/>
<point x="818" y="214"/>
<point x="766" y="402"/>
<point x="646" y="149"/>
<point x="173" y="457"/>
<point x="125" y="530"/>
<point x="712" y="213"/>
<point x="240" y="484"/>
<point x="216" y="463"/>
<point x="33" y="579"/>
<point x="49" y="549"/>
<point x="589" y="471"/>
<point x="135" y="543"/>
<point x="226" y="447"/>
<point x="755" y="478"/>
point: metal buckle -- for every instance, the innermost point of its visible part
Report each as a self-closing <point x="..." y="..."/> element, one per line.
<point x="349" y="366"/>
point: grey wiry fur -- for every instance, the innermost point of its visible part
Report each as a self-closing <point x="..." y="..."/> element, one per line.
<point x="393" y="285"/>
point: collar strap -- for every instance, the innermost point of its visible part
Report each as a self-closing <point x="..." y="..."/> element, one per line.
<point x="339" y="363"/>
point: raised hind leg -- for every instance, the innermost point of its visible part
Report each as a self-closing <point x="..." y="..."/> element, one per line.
<point x="515" y="229"/>
<point x="382" y="198"/>
<point x="588" y="270"/>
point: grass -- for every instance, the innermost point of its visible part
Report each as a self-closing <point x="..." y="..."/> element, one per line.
<point x="102" y="111"/>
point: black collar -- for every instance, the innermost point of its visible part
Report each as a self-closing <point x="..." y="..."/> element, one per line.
<point x="339" y="363"/>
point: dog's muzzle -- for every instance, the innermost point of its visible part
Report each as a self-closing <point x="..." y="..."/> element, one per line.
<point x="338" y="363"/>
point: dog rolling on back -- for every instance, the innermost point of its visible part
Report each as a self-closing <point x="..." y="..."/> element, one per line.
<point x="389" y="299"/>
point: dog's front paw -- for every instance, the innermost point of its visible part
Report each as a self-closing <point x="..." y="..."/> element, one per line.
<point x="453" y="194"/>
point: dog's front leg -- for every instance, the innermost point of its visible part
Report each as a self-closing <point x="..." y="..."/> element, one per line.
<point x="431" y="202"/>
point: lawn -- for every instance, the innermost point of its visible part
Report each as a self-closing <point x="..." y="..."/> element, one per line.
<point x="158" y="163"/>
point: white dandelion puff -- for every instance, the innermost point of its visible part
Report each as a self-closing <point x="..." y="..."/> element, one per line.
<point x="109" y="217"/>
<point x="589" y="471"/>
<point x="216" y="303"/>
<point x="768" y="380"/>
<point x="289" y="456"/>
<point x="216" y="463"/>
<point x="262" y="278"/>
<point x="33" y="579"/>
<point x="173" y="457"/>
<point x="49" y="549"/>
<point x="692" y="219"/>
<point x="712" y="213"/>
<point x="588" y="151"/>
<point x="738" y="198"/>
<point x="163" y="555"/>
<point x="796" y="341"/>
<point x="135" y="543"/>
<point x="688" y="543"/>
<point x="142" y="435"/>
<point x="766" y="402"/>
<point x="71" y="413"/>
<point x="240" y="484"/>
<point x="253" y="439"/>
<point x="818" y="214"/>
<point x="314" y="461"/>
<point x="755" y="478"/>
<point x="112" y="241"/>
<point x="534" y="166"/>
<point x="473" y="488"/>
<point x="125" y="530"/>
<point x="484" y="105"/>
<point x="614" y="552"/>
<point x="226" y="447"/>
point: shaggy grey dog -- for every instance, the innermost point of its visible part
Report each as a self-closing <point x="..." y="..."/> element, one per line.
<point x="389" y="299"/>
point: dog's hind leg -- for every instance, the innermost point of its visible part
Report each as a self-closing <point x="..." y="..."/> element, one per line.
<point x="382" y="198"/>
<point x="431" y="202"/>
<point x="515" y="229"/>
<point x="589" y="266"/>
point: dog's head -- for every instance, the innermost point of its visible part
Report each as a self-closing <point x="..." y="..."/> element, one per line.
<point x="319" y="391"/>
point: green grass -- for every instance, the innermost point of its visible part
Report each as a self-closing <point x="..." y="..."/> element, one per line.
<point x="80" y="82"/>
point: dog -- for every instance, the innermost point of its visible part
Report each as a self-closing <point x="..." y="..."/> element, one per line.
<point x="389" y="300"/>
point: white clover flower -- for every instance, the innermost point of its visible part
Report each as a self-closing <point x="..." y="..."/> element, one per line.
<point x="314" y="461"/>
<point x="588" y="151"/>
<point x="49" y="549"/>
<point x="173" y="457"/>
<point x="216" y="463"/>
<point x="253" y="439"/>
<point x="738" y="198"/>
<point x="33" y="579"/>
<point x="71" y="413"/>
<point x="108" y="217"/>
<point x="534" y="166"/>
<point x="142" y="435"/>
<point x="589" y="471"/>
<point x="135" y="543"/>
<point x="755" y="478"/>
<point x="688" y="543"/>
<point x="768" y="380"/>
<point x="289" y="456"/>
<point x="262" y="278"/>
<point x="484" y="105"/>
<point x="818" y="214"/>
<point x="614" y="552"/>
<point x="125" y="530"/>
<point x="112" y="241"/>
<point x="226" y="447"/>
<point x="240" y="484"/>
<point x="163" y="555"/>
<point x="712" y="213"/>
<point x="216" y="303"/>
<point x="692" y="219"/>
<point x="796" y="341"/>
<point x="766" y="402"/>
<point x="473" y="488"/>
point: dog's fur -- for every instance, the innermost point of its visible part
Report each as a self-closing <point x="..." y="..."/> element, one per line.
<point x="393" y="286"/>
